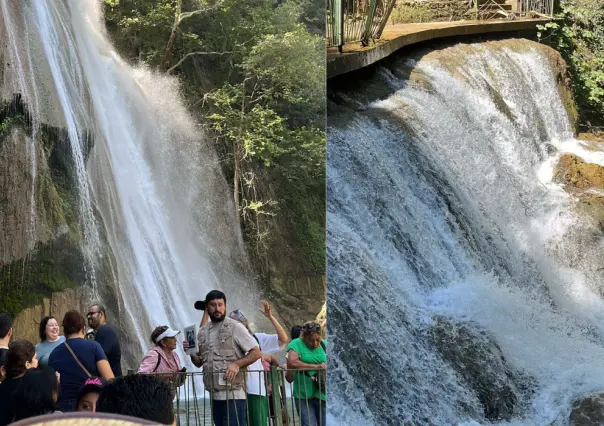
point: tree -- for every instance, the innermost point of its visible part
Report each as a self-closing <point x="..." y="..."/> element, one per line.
<point x="255" y="76"/>
<point x="578" y="34"/>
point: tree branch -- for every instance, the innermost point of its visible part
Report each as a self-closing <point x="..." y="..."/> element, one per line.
<point x="187" y="15"/>
<point x="188" y="55"/>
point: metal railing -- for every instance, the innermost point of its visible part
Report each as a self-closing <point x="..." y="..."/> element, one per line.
<point x="193" y="404"/>
<point x="511" y="9"/>
<point x="543" y="7"/>
<point x="351" y="21"/>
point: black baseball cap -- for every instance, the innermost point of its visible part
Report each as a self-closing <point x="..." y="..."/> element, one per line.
<point x="200" y="305"/>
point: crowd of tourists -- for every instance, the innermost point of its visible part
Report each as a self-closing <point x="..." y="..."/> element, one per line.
<point x="81" y="371"/>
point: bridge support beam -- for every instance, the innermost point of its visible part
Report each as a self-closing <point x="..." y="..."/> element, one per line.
<point x="369" y="23"/>
<point x="339" y="23"/>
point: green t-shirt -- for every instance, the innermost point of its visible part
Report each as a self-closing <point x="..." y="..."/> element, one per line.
<point x="304" y="386"/>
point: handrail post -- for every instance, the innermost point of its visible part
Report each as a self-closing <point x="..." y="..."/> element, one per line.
<point x="369" y="23"/>
<point x="551" y="14"/>
<point x="275" y="375"/>
<point x="387" y="14"/>
<point x="338" y="16"/>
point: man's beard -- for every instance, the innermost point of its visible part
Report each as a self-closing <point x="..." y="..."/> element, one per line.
<point x="217" y="319"/>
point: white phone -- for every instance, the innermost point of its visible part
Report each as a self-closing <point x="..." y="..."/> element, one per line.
<point x="222" y="379"/>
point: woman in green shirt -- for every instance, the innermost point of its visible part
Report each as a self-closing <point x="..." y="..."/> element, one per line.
<point x="308" y="354"/>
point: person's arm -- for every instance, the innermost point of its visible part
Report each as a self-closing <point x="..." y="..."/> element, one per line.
<point x="234" y="367"/>
<point x="204" y="318"/>
<point x="271" y="359"/>
<point x="267" y="311"/>
<point x="248" y="345"/>
<point x="104" y="369"/>
<point x="195" y="357"/>
<point x="196" y="360"/>
<point x="294" y="362"/>
<point x="289" y="376"/>
<point x="102" y="365"/>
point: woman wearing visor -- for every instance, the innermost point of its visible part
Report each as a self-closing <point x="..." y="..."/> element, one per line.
<point x="162" y="358"/>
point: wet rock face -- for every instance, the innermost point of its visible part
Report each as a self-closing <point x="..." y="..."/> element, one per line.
<point x="25" y="326"/>
<point x="480" y="362"/>
<point x="588" y="411"/>
<point x="577" y="174"/>
<point x="586" y="182"/>
<point x="41" y="257"/>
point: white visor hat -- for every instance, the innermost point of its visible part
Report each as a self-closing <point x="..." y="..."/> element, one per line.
<point x="168" y="333"/>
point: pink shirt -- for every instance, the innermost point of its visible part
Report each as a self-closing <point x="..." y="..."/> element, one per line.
<point x="166" y="365"/>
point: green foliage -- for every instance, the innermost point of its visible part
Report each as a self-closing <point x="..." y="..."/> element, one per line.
<point x="578" y="34"/>
<point x="255" y="71"/>
<point x="9" y="122"/>
<point x="141" y="26"/>
<point x="51" y="267"/>
<point x="406" y="14"/>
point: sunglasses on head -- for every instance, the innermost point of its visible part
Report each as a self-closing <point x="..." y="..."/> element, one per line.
<point x="313" y="326"/>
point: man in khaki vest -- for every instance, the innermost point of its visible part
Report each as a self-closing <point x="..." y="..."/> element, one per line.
<point x="223" y="345"/>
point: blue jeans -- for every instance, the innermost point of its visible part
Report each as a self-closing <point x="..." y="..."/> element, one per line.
<point x="231" y="412"/>
<point x="312" y="412"/>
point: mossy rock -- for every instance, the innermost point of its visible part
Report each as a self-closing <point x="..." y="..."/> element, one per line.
<point x="586" y="182"/>
<point x="579" y="175"/>
<point x="47" y="257"/>
<point x="597" y="137"/>
<point x="502" y="106"/>
<point x="52" y="267"/>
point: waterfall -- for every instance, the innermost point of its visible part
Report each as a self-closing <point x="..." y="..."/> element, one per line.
<point x="451" y="245"/>
<point x="148" y="182"/>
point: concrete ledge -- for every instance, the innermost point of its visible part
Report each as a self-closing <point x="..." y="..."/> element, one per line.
<point x="395" y="37"/>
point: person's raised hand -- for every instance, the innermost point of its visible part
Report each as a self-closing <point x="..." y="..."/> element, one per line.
<point x="266" y="309"/>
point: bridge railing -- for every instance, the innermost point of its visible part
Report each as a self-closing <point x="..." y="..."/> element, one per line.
<point x="351" y="21"/>
<point x="511" y="9"/>
<point x="354" y="21"/>
<point x="193" y="405"/>
<point x="543" y="7"/>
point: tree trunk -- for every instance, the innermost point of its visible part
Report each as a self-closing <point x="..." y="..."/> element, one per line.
<point x="239" y="155"/>
<point x="168" y="53"/>
<point x="236" y="177"/>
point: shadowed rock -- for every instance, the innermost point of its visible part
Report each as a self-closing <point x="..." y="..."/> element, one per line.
<point x="588" y="411"/>
<point x="480" y="362"/>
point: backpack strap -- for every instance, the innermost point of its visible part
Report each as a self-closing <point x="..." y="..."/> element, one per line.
<point x="76" y="358"/>
<point x="257" y="341"/>
<point x="158" y="361"/>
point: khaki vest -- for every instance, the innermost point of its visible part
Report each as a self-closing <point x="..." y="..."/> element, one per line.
<point x="216" y="361"/>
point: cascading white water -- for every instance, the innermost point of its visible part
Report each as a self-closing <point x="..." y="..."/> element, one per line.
<point x="441" y="205"/>
<point x="151" y="185"/>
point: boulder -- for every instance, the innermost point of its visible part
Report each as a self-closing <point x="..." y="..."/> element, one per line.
<point x="588" y="411"/>
<point x="479" y="361"/>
